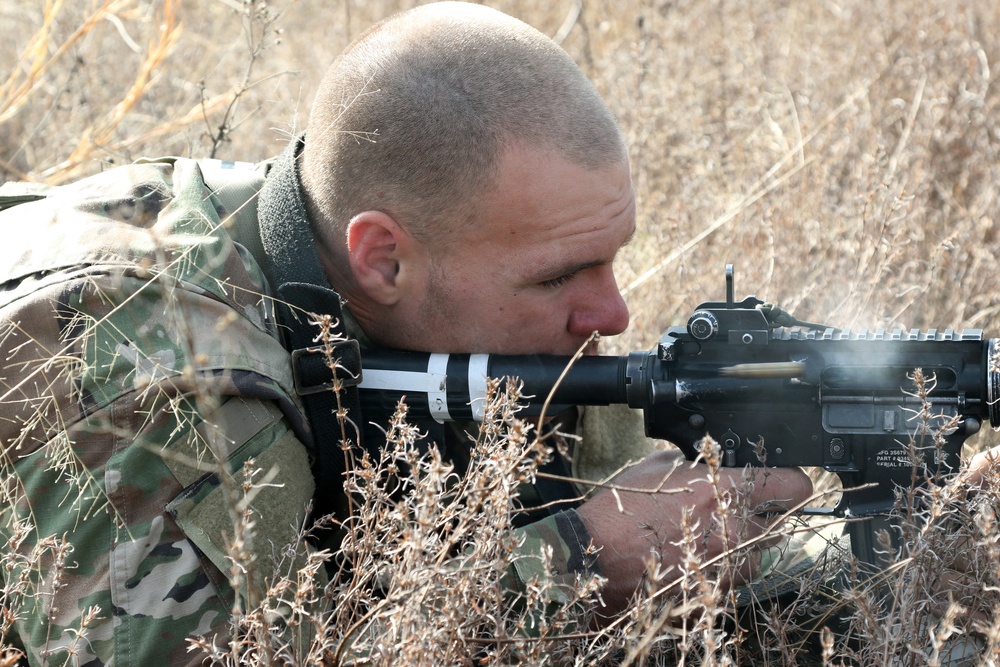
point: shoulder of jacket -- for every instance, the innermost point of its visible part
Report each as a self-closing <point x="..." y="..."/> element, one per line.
<point x="160" y="215"/>
<point x="237" y="187"/>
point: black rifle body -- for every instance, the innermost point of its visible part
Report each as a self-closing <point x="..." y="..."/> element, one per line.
<point x="770" y="395"/>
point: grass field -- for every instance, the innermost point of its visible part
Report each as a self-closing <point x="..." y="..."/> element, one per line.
<point x="842" y="154"/>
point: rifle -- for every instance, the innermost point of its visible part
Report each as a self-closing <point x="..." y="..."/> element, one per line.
<point x="770" y="389"/>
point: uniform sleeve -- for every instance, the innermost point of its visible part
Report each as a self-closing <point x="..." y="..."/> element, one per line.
<point x="556" y="558"/>
<point x="141" y="382"/>
<point x="554" y="563"/>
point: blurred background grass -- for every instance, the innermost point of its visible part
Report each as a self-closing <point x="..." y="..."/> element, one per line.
<point x="842" y="154"/>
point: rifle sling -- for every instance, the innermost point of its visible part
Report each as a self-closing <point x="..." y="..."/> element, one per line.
<point x="301" y="287"/>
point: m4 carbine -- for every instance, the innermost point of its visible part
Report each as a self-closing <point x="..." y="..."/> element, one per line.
<point x="771" y="390"/>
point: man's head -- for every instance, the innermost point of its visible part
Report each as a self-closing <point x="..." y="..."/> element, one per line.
<point x="419" y="136"/>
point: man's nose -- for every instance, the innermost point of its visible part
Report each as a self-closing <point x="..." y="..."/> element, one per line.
<point x="604" y="311"/>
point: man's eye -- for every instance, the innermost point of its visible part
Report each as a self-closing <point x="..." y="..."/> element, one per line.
<point x="557" y="282"/>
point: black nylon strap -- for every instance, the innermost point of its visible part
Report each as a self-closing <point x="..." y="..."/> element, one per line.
<point x="301" y="287"/>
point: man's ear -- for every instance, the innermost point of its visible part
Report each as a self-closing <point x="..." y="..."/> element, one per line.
<point x="375" y="244"/>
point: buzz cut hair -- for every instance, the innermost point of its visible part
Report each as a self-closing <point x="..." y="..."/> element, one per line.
<point x="415" y="115"/>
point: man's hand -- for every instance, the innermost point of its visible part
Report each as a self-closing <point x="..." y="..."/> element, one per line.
<point x="631" y="527"/>
<point x="981" y="463"/>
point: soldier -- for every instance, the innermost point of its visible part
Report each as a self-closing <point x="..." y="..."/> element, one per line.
<point x="465" y="190"/>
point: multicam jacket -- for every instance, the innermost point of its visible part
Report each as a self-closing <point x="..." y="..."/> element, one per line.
<point x="140" y="370"/>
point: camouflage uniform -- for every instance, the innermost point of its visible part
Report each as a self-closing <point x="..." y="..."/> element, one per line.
<point x="140" y="368"/>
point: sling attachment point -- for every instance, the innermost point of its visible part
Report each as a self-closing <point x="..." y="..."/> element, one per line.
<point x="312" y="374"/>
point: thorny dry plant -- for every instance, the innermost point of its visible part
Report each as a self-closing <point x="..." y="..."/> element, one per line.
<point x="421" y="571"/>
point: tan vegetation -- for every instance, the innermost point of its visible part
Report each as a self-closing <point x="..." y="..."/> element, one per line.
<point x="844" y="155"/>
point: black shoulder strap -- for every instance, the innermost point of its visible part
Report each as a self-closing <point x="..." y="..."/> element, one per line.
<point x="301" y="288"/>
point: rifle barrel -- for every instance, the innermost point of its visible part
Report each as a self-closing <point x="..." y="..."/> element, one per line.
<point x="452" y="387"/>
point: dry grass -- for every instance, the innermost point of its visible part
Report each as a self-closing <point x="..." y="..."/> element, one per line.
<point x="843" y="154"/>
